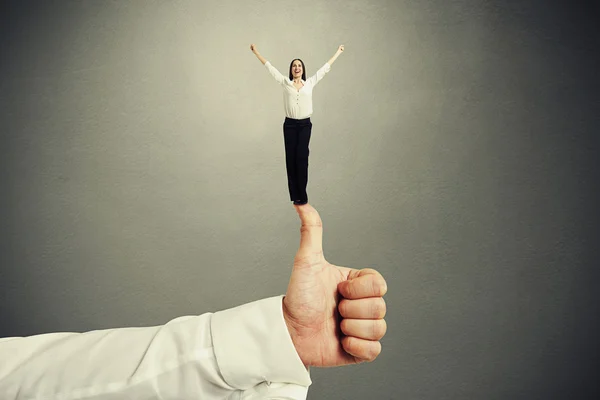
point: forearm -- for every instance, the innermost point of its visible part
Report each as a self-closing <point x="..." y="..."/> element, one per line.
<point x="261" y="58"/>
<point x="114" y="364"/>
<point x="335" y="56"/>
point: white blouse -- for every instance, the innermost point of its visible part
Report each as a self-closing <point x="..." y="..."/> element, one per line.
<point x="241" y="353"/>
<point x="297" y="103"/>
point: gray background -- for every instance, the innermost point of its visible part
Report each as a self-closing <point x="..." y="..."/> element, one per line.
<point x="454" y="149"/>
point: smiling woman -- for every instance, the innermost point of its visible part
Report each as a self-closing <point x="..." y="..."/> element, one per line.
<point x="297" y="71"/>
<point x="297" y="127"/>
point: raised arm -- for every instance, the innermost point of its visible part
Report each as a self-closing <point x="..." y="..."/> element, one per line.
<point x="257" y="54"/>
<point x="325" y="68"/>
<point x="272" y="70"/>
<point x="337" y="53"/>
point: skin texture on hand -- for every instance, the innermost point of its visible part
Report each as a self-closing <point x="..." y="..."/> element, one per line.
<point x="334" y="314"/>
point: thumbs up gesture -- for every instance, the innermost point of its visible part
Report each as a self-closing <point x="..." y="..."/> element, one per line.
<point x="334" y="314"/>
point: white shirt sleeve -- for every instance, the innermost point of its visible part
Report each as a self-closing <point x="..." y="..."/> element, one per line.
<point x="313" y="80"/>
<point x="241" y="353"/>
<point x="275" y="73"/>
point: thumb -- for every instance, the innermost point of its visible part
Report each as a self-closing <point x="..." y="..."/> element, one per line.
<point x="311" y="231"/>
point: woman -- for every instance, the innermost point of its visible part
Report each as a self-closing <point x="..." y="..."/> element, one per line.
<point x="297" y="103"/>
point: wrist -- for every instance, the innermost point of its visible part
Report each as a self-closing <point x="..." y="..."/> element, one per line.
<point x="293" y="334"/>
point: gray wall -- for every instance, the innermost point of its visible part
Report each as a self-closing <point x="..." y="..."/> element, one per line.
<point x="454" y="149"/>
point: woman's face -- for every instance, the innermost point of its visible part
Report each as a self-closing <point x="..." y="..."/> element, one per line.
<point x="297" y="69"/>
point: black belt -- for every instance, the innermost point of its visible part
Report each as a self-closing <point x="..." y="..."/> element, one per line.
<point x="296" y="120"/>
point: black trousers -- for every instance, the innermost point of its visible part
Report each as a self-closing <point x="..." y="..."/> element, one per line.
<point x="296" y="136"/>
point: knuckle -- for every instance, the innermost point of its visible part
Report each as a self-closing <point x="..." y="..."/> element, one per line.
<point x="352" y="288"/>
<point x="379" y="329"/>
<point x="383" y="307"/>
<point x="383" y="328"/>
<point x="372" y="353"/>
<point x="381" y="286"/>
<point x="344" y="290"/>
<point x="375" y="351"/>
<point x="377" y="285"/>
<point x="344" y="326"/>
<point x="343" y="308"/>
<point x="349" y="344"/>
<point x="379" y="308"/>
<point x="374" y="289"/>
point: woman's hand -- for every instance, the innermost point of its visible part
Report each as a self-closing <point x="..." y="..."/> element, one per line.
<point x="257" y="54"/>
<point x="339" y="51"/>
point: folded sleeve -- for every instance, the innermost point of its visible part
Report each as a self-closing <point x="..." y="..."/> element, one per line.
<point x="252" y="345"/>
<point x="172" y="361"/>
<point x="320" y="74"/>
<point x="275" y="73"/>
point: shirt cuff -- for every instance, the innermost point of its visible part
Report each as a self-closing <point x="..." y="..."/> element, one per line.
<point x="252" y="345"/>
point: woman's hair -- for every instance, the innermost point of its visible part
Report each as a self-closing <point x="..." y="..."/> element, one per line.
<point x="303" y="69"/>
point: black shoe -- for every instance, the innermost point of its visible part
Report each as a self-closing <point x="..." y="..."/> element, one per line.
<point x="299" y="202"/>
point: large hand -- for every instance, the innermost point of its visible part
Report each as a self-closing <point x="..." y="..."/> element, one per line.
<point x="341" y="48"/>
<point x="253" y="48"/>
<point x="334" y="314"/>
